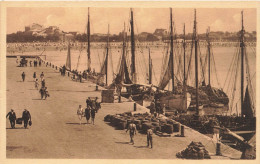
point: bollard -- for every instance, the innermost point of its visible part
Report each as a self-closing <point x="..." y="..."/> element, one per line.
<point x="134" y="106"/>
<point x="96" y="87"/>
<point x="119" y="99"/>
<point x="182" y="131"/>
<point x="218" y="152"/>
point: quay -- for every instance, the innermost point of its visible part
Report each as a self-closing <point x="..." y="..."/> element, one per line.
<point x="56" y="132"/>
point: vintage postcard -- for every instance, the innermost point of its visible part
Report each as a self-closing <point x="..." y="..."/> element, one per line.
<point x="129" y="80"/>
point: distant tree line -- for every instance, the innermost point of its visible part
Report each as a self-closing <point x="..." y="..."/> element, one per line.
<point x="148" y="37"/>
<point x="28" y="37"/>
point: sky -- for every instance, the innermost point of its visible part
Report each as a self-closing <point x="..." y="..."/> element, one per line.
<point x="146" y="19"/>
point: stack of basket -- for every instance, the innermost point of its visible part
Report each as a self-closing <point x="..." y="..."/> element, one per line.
<point x="195" y="150"/>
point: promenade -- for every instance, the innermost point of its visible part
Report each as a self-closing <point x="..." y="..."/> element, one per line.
<point x="56" y="132"/>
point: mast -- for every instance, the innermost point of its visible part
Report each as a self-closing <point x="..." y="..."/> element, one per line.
<point x="88" y="39"/>
<point x="171" y="51"/>
<point x="133" y="48"/>
<point x="184" y="58"/>
<point x="196" y="62"/>
<point x="150" y="68"/>
<point x="106" y="64"/>
<point x="242" y="45"/>
<point x="208" y="31"/>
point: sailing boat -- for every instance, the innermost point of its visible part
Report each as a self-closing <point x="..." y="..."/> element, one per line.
<point x="127" y="78"/>
<point x="172" y="100"/>
<point x="104" y="67"/>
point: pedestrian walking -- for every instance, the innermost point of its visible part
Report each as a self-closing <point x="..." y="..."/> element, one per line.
<point x="12" y="118"/>
<point x="43" y="83"/>
<point x="150" y="137"/>
<point x="26" y="117"/>
<point x="88" y="101"/>
<point x="132" y="131"/>
<point x="36" y="84"/>
<point x="87" y="113"/>
<point x="80" y="113"/>
<point x="46" y="93"/>
<point x="23" y="76"/>
<point x="42" y="92"/>
<point x="34" y="76"/>
<point x="93" y="114"/>
<point x="42" y="75"/>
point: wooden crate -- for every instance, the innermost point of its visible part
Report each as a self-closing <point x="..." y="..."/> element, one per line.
<point x="107" y="96"/>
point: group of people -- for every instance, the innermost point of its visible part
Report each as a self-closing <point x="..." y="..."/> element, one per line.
<point x="26" y="118"/>
<point x="90" y="111"/>
<point x="156" y="109"/>
<point x="35" y="63"/>
<point x="132" y="131"/>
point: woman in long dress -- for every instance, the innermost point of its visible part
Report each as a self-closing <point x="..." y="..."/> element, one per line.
<point x="87" y="113"/>
<point x="80" y="113"/>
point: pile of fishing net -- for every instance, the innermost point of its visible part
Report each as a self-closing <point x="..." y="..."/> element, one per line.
<point x="195" y="150"/>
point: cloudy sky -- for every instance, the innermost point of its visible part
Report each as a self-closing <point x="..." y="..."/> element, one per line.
<point x="146" y="19"/>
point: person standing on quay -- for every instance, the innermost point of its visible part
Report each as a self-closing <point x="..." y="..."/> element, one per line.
<point x="80" y="113"/>
<point x="26" y="117"/>
<point x="42" y="75"/>
<point x="12" y="118"/>
<point x="87" y="113"/>
<point x="34" y="76"/>
<point x="23" y="76"/>
<point x="132" y="131"/>
<point x="150" y="137"/>
<point x="93" y="114"/>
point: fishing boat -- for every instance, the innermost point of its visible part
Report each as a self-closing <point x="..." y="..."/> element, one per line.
<point x="125" y="80"/>
<point x="177" y="99"/>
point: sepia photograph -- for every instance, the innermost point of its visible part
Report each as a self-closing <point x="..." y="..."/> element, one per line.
<point x="130" y="82"/>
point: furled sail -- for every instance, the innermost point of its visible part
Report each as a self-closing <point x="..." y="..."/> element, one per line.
<point x="247" y="110"/>
<point x="166" y="75"/>
<point x="68" y="61"/>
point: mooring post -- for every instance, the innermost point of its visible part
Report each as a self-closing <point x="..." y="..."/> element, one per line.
<point x="218" y="152"/>
<point x="134" y="106"/>
<point x="182" y="131"/>
<point x="96" y="87"/>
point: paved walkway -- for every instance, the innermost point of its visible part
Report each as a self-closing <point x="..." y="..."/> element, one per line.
<point x="56" y="132"/>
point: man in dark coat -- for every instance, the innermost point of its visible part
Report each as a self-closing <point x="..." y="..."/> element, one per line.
<point x="93" y="114"/>
<point x="12" y="118"/>
<point x="23" y="76"/>
<point x="26" y="117"/>
<point x="42" y="92"/>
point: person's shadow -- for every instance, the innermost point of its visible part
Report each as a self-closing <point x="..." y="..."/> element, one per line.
<point x="140" y="146"/>
<point x="16" y="128"/>
<point x="122" y="142"/>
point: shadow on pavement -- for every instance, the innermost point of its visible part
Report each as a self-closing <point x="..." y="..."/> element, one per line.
<point x="140" y="146"/>
<point x="122" y="142"/>
<point x="16" y="128"/>
<point x="72" y="123"/>
<point x="37" y="99"/>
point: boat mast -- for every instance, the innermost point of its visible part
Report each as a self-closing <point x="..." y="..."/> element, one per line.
<point x="106" y="59"/>
<point x="171" y="51"/>
<point x="133" y="47"/>
<point x="242" y="45"/>
<point x="196" y="62"/>
<point x="150" y="68"/>
<point x="184" y="58"/>
<point x="208" y="31"/>
<point x="88" y="39"/>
